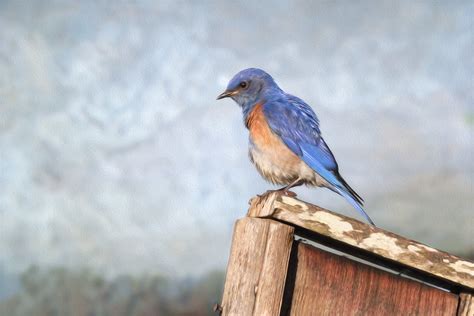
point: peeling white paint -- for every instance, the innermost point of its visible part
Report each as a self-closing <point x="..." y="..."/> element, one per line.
<point x="379" y="242"/>
<point x="293" y="202"/>
<point x="429" y="248"/>
<point x="382" y="242"/>
<point x="463" y="267"/>
<point x="414" y="248"/>
<point x="336" y="224"/>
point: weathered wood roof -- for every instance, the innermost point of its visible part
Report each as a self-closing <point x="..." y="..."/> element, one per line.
<point x="366" y="241"/>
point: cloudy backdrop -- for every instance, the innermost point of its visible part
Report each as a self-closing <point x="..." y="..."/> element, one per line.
<point x="115" y="155"/>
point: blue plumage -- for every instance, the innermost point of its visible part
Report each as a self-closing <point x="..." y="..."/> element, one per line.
<point x="292" y="122"/>
<point x="298" y="126"/>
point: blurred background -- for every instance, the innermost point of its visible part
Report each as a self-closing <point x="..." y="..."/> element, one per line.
<point x="121" y="176"/>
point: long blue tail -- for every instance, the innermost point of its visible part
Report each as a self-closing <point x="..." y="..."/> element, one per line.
<point x="313" y="155"/>
<point x="354" y="202"/>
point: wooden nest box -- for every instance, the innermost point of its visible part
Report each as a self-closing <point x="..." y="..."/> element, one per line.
<point x="289" y="257"/>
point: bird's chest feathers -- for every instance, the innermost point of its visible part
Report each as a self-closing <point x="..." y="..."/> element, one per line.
<point x="273" y="159"/>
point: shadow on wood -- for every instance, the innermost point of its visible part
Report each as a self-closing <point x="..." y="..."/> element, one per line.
<point x="346" y="267"/>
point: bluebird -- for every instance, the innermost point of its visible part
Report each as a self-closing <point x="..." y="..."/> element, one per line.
<point x="285" y="142"/>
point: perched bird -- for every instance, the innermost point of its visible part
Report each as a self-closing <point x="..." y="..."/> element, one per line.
<point x="285" y="141"/>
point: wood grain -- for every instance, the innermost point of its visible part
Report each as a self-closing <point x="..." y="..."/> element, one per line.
<point x="257" y="267"/>
<point x="327" y="284"/>
<point x="364" y="238"/>
<point x="466" y="305"/>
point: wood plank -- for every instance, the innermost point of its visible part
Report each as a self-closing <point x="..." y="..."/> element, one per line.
<point x="361" y="236"/>
<point x="466" y="305"/>
<point x="328" y="284"/>
<point x="257" y="267"/>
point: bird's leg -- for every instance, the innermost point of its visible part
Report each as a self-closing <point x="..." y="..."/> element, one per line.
<point x="285" y="189"/>
<point x="293" y="184"/>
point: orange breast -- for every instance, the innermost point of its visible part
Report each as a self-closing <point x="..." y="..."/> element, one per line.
<point x="261" y="134"/>
<point x="273" y="159"/>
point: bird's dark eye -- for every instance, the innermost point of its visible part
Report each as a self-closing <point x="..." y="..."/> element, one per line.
<point x="243" y="84"/>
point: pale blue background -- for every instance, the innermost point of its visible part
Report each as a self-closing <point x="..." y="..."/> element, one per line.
<point x="114" y="154"/>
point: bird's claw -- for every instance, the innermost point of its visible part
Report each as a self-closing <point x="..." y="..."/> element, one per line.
<point x="280" y="191"/>
<point x="289" y="193"/>
<point x="217" y="308"/>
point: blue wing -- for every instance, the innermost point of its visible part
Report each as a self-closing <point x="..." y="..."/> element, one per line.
<point x="298" y="126"/>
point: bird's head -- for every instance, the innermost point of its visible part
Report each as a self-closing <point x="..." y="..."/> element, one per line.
<point x="249" y="86"/>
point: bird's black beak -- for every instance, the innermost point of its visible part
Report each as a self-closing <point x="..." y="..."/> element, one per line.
<point x="225" y="94"/>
